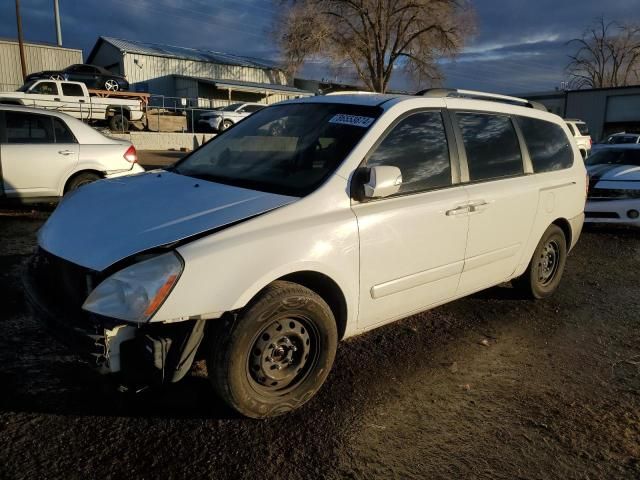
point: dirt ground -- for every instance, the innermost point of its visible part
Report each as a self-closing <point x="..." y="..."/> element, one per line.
<point x="491" y="386"/>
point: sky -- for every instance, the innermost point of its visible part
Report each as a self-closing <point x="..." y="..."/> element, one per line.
<point x="520" y="45"/>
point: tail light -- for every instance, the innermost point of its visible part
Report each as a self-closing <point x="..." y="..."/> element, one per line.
<point x="590" y="142"/>
<point x="131" y="155"/>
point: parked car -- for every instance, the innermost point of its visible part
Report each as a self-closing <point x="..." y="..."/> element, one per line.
<point x="75" y="99"/>
<point x="44" y="155"/>
<point x="580" y="132"/>
<point x="219" y="120"/>
<point x="260" y="251"/>
<point x="614" y="185"/>
<point x="622" y="138"/>
<point x="92" y="76"/>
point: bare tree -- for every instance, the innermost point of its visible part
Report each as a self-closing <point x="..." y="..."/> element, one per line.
<point x="608" y="55"/>
<point x="375" y="37"/>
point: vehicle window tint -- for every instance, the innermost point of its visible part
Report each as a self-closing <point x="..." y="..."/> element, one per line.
<point x="62" y="132"/>
<point x="252" y="108"/>
<point x="491" y="144"/>
<point x="582" y="127"/>
<point x="45" y="88"/>
<point x="548" y="145"/>
<point x="72" y="90"/>
<point x="418" y="147"/>
<point x="28" y="128"/>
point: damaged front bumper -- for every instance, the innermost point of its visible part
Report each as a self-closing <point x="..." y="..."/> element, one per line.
<point x="140" y="354"/>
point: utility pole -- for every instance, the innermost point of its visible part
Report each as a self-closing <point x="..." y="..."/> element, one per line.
<point x="20" y="41"/>
<point x="56" y="14"/>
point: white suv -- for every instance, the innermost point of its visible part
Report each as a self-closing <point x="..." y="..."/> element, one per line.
<point x="580" y="132"/>
<point x="265" y="247"/>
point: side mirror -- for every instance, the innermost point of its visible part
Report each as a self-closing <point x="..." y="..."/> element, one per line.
<point x="383" y="182"/>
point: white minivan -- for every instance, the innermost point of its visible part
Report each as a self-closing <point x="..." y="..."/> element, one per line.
<point x="266" y="246"/>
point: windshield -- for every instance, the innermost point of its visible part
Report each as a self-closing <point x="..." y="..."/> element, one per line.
<point x="612" y="156"/>
<point x="620" y="139"/>
<point x="232" y="108"/>
<point x="26" y="86"/>
<point x="287" y="149"/>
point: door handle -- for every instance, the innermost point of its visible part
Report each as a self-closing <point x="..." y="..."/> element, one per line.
<point x="478" y="206"/>
<point x="66" y="152"/>
<point x="57" y="99"/>
<point x="458" y="210"/>
<point x="80" y="101"/>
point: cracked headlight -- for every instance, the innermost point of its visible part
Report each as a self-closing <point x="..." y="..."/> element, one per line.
<point x="136" y="293"/>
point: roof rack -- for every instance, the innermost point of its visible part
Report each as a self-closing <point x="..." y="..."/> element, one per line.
<point x="493" y="97"/>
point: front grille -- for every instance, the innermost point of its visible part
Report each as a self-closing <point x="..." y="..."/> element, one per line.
<point x="58" y="288"/>
<point x="601" y="215"/>
<point x="612" y="193"/>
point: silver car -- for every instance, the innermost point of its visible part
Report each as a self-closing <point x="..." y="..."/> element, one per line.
<point x="221" y="119"/>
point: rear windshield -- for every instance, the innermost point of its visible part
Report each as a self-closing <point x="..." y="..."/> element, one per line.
<point x="286" y="149"/>
<point x="583" y="129"/>
<point x="613" y="156"/>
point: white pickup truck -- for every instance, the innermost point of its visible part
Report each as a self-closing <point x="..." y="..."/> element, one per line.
<point x="73" y="98"/>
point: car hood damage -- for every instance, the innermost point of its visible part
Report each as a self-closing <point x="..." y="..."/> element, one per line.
<point x="110" y="220"/>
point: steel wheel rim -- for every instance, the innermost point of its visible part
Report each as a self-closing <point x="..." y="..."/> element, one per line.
<point x="111" y="85"/>
<point x="548" y="262"/>
<point x="282" y="355"/>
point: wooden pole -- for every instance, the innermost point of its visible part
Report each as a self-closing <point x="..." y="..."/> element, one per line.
<point x="20" y="41"/>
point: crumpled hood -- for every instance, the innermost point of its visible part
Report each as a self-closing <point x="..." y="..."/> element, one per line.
<point x="109" y="220"/>
<point x="614" y="172"/>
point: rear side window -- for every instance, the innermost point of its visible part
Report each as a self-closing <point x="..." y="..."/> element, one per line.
<point x="548" y="145"/>
<point x="582" y="127"/>
<point x="28" y="128"/>
<point x="491" y="145"/>
<point x="418" y="147"/>
<point x="62" y="132"/>
<point x="72" y="90"/>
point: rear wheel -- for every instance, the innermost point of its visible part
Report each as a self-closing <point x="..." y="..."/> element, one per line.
<point x="119" y="123"/>
<point x="81" y="180"/>
<point x="226" y="124"/>
<point x="543" y="275"/>
<point x="276" y="355"/>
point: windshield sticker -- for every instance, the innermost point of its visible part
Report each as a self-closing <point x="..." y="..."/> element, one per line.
<point x="353" y="120"/>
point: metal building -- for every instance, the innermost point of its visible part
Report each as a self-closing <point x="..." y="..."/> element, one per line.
<point x="213" y="78"/>
<point x="605" y="110"/>
<point x="38" y="57"/>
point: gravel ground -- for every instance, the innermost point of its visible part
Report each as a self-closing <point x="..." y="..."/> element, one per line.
<point x="491" y="386"/>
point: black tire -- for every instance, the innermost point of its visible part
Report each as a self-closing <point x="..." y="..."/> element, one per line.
<point x="226" y="124"/>
<point x="81" y="180"/>
<point x="253" y="364"/>
<point x="119" y="123"/>
<point x="543" y="275"/>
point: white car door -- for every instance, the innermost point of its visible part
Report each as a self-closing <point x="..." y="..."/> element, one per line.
<point x="503" y="197"/>
<point x="412" y="244"/>
<point x="38" y="151"/>
<point x="74" y="101"/>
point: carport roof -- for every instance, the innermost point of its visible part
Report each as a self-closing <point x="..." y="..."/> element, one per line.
<point x="250" y="86"/>
<point x="185" y="53"/>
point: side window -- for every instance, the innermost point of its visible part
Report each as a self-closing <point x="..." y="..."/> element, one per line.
<point x="491" y="144"/>
<point x="72" y="90"/>
<point x="548" y="145"/>
<point x="62" y="132"/>
<point x="45" y="88"/>
<point x="252" y="108"/>
<point x="418" y="147"/>
<point x="28" y="128"/>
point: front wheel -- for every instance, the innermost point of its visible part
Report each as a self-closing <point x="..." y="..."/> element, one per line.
<point x="277" y="354"/>
<point x="111" y="85"/>
<point x="225" y="125"/>
<point x="543" y="275"/>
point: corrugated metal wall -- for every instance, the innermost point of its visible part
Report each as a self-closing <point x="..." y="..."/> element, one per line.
<point x="38" y="57"/>
<point x="156" y="72"/>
